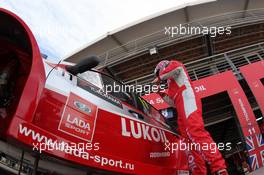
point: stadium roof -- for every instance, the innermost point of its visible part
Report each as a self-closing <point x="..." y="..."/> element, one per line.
<point x="157" y="22"/>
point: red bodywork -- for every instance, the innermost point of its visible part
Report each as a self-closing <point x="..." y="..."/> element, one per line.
<point x="48" y="115"/>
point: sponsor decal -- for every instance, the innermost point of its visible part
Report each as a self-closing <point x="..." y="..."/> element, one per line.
<point x="251" y="128"/>
<point x="37" y="137"/>
<point x="191" y="162"/>
<point x="138" y="130"/>
<point x="199" y="88"/>
<point x="82" y="107"/>
<point x="101" y="94"/>
<point x="183" y="172"/>
<point x="159" y="154"/>
<point x="78" y="118"/>
<point x="158" y="100"/>
<point x="27" y="133"/>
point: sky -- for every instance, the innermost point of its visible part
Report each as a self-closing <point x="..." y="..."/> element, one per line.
<point x="62" y="26"/>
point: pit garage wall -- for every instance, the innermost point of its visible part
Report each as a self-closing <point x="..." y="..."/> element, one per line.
<point x="227" y="82"/>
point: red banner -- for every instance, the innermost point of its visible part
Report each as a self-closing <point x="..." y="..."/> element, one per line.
<point x="253" y="73"/>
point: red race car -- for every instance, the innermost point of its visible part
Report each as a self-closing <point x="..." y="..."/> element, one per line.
<point x="57" y="118"/>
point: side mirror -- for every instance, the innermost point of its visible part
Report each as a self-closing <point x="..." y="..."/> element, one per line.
<point x="84" y="65"/>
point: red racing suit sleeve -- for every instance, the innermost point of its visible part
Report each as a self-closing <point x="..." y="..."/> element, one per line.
<point x="168" y="100"/>
<point x="171" y="70"/>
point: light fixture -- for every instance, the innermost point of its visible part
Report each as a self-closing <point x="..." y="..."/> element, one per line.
<point x="153" y="50"/>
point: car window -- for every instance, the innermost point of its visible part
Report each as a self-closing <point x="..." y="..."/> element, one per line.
<point x="149" y="110"/>
<point x="106" y="83"/>
<point x="92" y="77"/>
<point x="116" y="89"/>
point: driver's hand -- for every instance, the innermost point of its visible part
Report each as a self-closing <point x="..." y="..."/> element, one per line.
<point x="162" y="94"/>
<point x="156" y="81"/>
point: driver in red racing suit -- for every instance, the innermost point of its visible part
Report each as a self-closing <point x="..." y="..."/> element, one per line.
<point x="181" y="95"/>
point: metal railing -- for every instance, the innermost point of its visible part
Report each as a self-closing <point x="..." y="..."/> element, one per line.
<point x="231" y="60"/>
<point x="143" y="44"/>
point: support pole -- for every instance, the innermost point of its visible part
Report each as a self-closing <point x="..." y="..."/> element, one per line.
<point x="35" y="168"/>
<point x="21" y="162"/>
